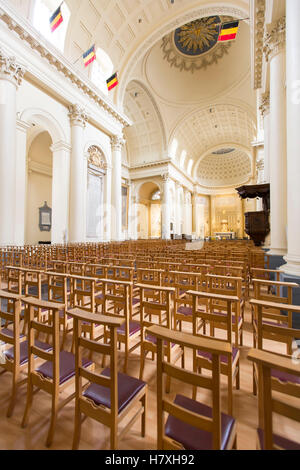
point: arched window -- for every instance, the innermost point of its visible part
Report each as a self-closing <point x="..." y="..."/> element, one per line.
<point x="190" y="166"/>
<point x="102" y="69"/>
<point x="174" y="148"/>
<point x="43" y="10"/>
<point x="182" y="158"/>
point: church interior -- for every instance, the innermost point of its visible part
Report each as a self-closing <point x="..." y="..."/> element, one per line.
<point x="149" y="225"/>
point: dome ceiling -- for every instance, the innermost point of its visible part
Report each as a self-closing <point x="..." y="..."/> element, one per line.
<point x="214" y="126"/>
<point x="224" y="170"/>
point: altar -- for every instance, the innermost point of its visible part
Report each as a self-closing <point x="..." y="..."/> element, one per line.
<point x="225" y="235"/>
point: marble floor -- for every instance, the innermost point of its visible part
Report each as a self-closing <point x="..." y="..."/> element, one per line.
<point x="96" y="436"/>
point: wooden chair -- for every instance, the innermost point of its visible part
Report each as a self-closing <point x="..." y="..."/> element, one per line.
<point x="58" y="370"/>
<point x="13" y="359"/>
<point x="117" y="301"/>
<point x="230" y="364"/>
<point x="183" y="303"/>
<point x="268" y="363"/>
<point x="161" y="308"/>
<point x="274" y="322"/>
<point x="232" y="286"/>
<point x="191" y="425"/>
<point x="110" y="396"/>
<point x="58" y="292"/>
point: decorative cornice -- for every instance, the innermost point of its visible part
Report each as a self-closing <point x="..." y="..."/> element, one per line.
<point x="77" y="115"/>
<point x="28" y="34"/>
<point x="258" y="12"/>
<point x="117" y="142"/>
<point x="37" y="167"/>
<point x="11" y="70"/>
<point x="265" y="104"/>
<point x="275" y="40"/>
<point x="61" y="146"/>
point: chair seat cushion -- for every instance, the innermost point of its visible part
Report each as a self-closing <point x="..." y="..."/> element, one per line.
<point x="279" y="441"/>
<point x="128" y="388"/>
<point x="135" y="301"/>
<point x="9" y="353"/>
<point x="66" y="367"/>
<point x="233" y="317"/>
<point x="99" y="296"/>
<point x="224" y="359"/>
<point x="284" y="377"/>
<point x="134" y="327"/>
<point x="193" y="438"/>
<point x="9" y="333"/>
<point x="186" y="311"/>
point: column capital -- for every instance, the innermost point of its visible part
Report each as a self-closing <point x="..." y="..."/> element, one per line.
<point x="265" y="104"/>
<point x="275" y="40"/>
<point x="11" y="70"/>
<point x="117" y="142"/>
<point x="166" y="177"/>
<point x="78" y="115"/>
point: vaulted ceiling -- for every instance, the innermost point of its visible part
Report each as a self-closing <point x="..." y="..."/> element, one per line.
<point x="203" y="102"/>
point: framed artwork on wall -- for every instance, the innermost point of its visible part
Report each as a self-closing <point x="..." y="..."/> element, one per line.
<point x="45" y="218"/>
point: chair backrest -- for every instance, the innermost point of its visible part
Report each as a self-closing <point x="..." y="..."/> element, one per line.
<point x="150" y="276"/>
<point x="272" y="291"/>
<point x="164" y="405"/>
<point x="83" y="291"/>
<point x="57" y="287"/>
<point x="15" y="278"/>
<point x="163" y="304"/>
<point x="117" y="300"/>
<point x="275" y="323"/>
<point x="270" y="404"/>
<point x="52" y="331"/>
<point x="211" y="315"/>
<point x="10" y="309"/>
<point x="33" y="282"/>
<point x="105" y="415"/>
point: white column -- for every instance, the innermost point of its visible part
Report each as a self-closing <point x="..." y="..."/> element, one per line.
<point x="196" y="213"/>
<point x="178" y="209"/>
<point x="11" y="74"/>
<point x="293" y="136"/>
<point x="78" y="183"/>
<point x="265" y="111"/>
<point x="107" y="205"/>
<point x="21" y="176"/>
<point x="60" y="191"/>
<point x="275" y="53"/>
<point x="165" y="208"/>
<point x="116" y="221"/>
<point x="185" y="213"/>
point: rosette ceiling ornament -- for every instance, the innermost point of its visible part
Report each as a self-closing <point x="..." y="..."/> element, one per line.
<point x="194" y="46"/>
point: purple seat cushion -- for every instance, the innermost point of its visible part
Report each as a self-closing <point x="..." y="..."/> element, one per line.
<point x="193" y="438"/>
<point x="279" y="441"/>
<point x="224" y="359"/>
<point x="186" y="311"/>
<point x="134" y="327"/>
<point x="99" y="296"/>
<point x="128" y="387"/>
<point x="9" y="353"/>
<point x="285" y="377"/>
<point x="135" y="301"/>
<point x="66" y="367"/>
<point x="9" y="333"/>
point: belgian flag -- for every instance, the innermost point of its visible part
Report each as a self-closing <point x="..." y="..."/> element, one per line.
<point x="228" y="31"/>
<point x="56" y="19"/>
<point x="89" y="56"/>
<point x="112" y="81"/>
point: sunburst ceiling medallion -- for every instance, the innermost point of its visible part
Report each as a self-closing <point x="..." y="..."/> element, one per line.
<point x="195" y="45"/>
<point x="197" y="37"/>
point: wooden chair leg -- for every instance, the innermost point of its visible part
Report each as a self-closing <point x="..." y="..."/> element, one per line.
<point x="237" y="379"/>
<point x="28" y="404"/>
<point x="126" y="359"/>
<point x="144" y="415"/>
<point x="142" y="365"/>
<point x="77" y="428"/>
<point x="54" y="412"/>
<point x="114" y="436"/>
<point x="13" y="398"/>
<point x="230" y="391"/>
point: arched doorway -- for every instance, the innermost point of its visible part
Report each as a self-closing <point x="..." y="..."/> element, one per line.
<point x="39" y="186"/>
<point x="149" y="212"/>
